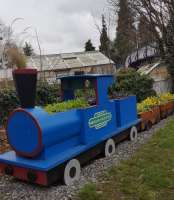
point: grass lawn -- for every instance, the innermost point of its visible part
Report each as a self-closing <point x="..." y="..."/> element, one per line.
<point x="148" y="175"/>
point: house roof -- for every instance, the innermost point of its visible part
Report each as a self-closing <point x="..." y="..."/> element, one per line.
<point x="160" y="75"/>
<point x="85" y="76"/>
<point x="69" y="60"/>
<point x="147" y="69"/>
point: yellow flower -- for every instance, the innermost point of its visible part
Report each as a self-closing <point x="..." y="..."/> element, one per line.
<point x="153" y="101"/>
<point x="166" y="97"/>
<point x="148" y="104"/>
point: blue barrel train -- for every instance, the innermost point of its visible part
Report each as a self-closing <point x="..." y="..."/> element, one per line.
<point x="49" y="147"/>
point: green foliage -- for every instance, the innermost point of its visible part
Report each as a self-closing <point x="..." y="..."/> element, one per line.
<point x="89" y="46"/>
<point x="125" y="41"/>
<point x="28" y="50"/>
<point x="148" y="175"/>
<point x="66" y="105"/>
<point x="8" y="98"/>
<point x="104" y="39"/>
<point x="89" y="93"/>
<point x="8" y="101"/>
<point x="47" y="94"/>
<point x="130" y="82"/>
<point x="89" y="192"/>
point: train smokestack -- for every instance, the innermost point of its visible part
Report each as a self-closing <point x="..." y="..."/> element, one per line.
<point x="25" y="82"/>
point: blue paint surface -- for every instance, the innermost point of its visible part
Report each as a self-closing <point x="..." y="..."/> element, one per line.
<point x="55" y="159"/>
<point x="65" y="135"/>
<point x="25" y="137"/>
<point x="126" y="110"/>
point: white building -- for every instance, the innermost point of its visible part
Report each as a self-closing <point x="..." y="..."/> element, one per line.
<point x="68" y="63"/>
<point x="159" y="73"/>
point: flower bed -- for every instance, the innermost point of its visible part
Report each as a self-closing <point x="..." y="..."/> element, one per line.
<point x="149" y="118"/>
<point x="166" y="104"/>
<point x="166" y="109"/>
<point x="149" y="112"/>
<point x="152" y="109"/>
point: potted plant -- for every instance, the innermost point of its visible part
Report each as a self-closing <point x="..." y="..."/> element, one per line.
<point x="25" y="79"/>
<point x="166" y="104"/>
<point x="149" y="112"/>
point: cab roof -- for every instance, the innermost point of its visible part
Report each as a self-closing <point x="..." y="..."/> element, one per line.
<point x="85" y="76"/>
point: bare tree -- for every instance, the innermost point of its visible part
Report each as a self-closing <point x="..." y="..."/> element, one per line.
<point x="8" y="40"/>
<point x="157" y="14"/>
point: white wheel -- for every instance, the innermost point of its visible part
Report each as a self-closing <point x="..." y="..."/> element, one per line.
<point x="133" y="134"/>
<point x="109" y="148"/>
<point x="72" y="172"/>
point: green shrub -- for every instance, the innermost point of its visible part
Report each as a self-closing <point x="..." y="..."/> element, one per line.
<point x="47" y="94"/>
<point x="88" y="93"/>
<point x="130" y="82"/>
<point x="8" y="101"/>
<point x="89" y="192"/>
<point x="66" y="105"/>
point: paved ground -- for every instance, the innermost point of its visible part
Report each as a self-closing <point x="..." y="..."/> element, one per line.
<point x="16" y="190"/>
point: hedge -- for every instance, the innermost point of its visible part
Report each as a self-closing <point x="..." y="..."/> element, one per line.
<point x="8" y="101"/>
<point x="46" y="94"/>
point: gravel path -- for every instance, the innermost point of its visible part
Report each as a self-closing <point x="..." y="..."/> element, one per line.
<point x="13" y="189"/>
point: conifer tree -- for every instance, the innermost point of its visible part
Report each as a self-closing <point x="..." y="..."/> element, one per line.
<point x="104" y="39"/>
<point x="28" y="50"/>
<point x="89" y="46"/>
<point x="125" y="41"/>
<point x="145" y="34"/>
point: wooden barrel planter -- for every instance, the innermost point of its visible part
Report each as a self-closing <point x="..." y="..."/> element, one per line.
<point x="149" y="118"/>
<point x="166" y="109"/>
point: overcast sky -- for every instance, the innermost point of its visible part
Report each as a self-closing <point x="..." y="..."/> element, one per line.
<point x="62" y="25"/>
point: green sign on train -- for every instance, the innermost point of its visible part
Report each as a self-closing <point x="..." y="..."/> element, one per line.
<point x="100" y="119"/>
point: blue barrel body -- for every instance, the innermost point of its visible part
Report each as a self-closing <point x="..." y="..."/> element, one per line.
<point x="31" y="130"/>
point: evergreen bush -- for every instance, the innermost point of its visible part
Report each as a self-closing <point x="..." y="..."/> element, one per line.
<point x="130" y="82"/>
<point x="8" y="101"/>
<point x="46" y="94"/>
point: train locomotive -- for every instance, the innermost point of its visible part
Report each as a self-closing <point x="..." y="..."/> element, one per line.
<point x="51" y="147"/>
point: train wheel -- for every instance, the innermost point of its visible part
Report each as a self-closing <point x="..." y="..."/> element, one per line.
<point x="72" y="172"/>
<point x="133" y="134"/>
<point x="109" y="148"/>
